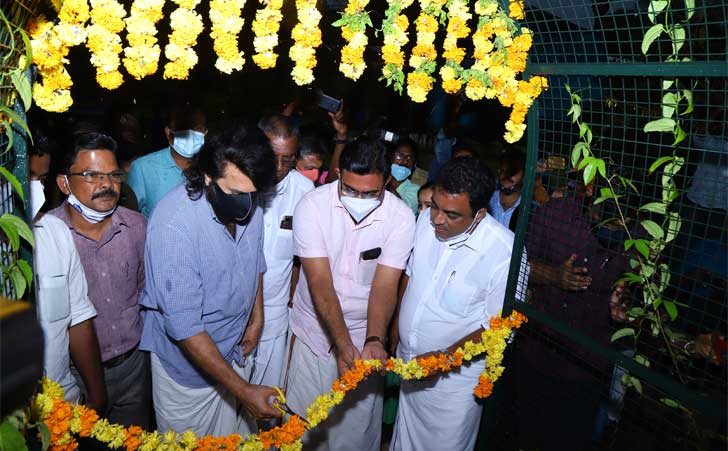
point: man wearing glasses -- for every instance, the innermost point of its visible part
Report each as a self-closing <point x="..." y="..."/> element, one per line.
<point x="403" y="163"/>
<point x="110" y="242"/>
<point x="353" y="238"/>
<point x="278" y="205"/>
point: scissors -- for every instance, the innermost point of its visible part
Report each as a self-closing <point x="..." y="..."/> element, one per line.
<point x="279" y="403"/>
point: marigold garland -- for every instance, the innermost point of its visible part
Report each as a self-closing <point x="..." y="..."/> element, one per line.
<point x="424" y="54"/>
<point x="354" y="23"/>
<point x="66" y="420"/>
<point x="227" y="22"/>
<point x="186" y="26"/>
<point x="394" y="29"/>
<point x="265" y="27"/>
<point x="307" y="37"/>
<point x="142" y="55"/>
<point x="104" y="43"/>
<point x="457" y="28"/>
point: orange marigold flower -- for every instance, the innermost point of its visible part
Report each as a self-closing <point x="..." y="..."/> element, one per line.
<point x="484" y="387"/>
<point x="133" y="438"/>
<point x="89" y="417"/>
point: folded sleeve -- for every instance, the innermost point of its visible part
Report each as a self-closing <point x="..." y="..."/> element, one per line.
<point x="173" y="281"/>
<point x="308" y="235"/>
<point x="398" y="245"/>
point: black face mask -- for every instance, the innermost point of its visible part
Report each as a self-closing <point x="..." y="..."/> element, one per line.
<point x="511" y="190"/>
<point x="229" y="208"/>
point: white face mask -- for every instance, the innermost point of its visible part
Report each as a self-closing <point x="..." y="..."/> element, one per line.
<point x="89" y="214"/>
<point x="460" y="238"/>
<point x="359" y="208"/>
<point x="188" y="142"/>
<point x="37" y="197"/>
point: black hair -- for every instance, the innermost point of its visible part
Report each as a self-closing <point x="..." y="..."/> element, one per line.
<point x="246" y="148"/>
<point x="406" y="141"/>
<point x="424" y="187"/>
<point x="464" y="148"/>
<point x="311" y="145"/>
<point x="86" y="141"/>
<point x="42" y="144"/>
<point x="467" y="175"/>
<point x="366" y="155"/>
<point x="512" y="161"/>
<point x="186" y="116"/>
<point x="279" y="126"/>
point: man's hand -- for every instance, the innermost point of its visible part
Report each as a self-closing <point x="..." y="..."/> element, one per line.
<point x="252" y="336"/>
<point x="433" y="374"/>
<point x="393" y="339"/>
<point x="255" y="400"/>
<point x="572" y="278"/>
<point x="98" y="403"/>
<point x="339" y="123"/>
<point x="375" y="350"/>
<point x="345" y="357"/>
<point x="618" y="305"/>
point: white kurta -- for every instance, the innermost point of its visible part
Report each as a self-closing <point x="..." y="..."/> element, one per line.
<point x="278" y="251"/>
<point x="453" y="290"/>
<point x="61" y="294"/>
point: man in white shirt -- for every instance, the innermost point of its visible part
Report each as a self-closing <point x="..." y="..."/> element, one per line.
<point x="61" y="292"/>
<point x="456" y="280"/>
<point x="278" y="206"/>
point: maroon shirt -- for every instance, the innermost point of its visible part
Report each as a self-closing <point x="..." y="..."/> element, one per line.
<point x="114" y="268"/>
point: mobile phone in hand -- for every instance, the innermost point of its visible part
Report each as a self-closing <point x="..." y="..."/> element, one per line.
<point x="328" y="103"/>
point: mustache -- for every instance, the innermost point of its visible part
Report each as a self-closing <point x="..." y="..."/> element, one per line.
<point x="108" y="192"/>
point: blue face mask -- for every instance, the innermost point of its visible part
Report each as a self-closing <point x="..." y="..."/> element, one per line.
<point x="400" y="173"/>
<point x="188" y="142"/>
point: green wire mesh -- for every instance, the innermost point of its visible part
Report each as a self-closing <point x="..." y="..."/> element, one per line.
<point x="570" y="386"/>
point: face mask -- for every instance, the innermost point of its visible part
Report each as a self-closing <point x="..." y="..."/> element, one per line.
<point x="231" y="207"/>
<point x="37" y="197"/>
<point x="460" y="238"/>
<point x="89" y="214"/>
<point x="359" y="208"/>
<point x="400" y="173"/>
<point x="188" y="142"/>
<point x="311" y="174"/>
<point x="511" y="190"/>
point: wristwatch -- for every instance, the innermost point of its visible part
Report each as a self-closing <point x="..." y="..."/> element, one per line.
<point x="375" y="338"/>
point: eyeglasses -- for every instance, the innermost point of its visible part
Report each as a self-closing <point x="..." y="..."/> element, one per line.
<point x="287" y="162"/>
<point x="349" y="192"/>
<point x="98" y="177"/>
<point x="406" y="157"/>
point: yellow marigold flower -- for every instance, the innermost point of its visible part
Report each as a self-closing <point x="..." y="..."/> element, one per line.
<point x="514" y="132"/>
<point x="516" y="10"/>
<point x="52" y="389"/>
<point x="452" y="86"/>
<point x="475" y="90"/>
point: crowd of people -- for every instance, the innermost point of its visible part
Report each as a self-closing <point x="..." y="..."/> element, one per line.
<point x="175" y="291"/>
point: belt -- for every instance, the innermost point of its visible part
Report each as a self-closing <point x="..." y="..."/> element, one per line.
<point x="119" y="359"/>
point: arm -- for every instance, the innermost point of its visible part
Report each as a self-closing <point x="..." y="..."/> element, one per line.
<point x="341" y="127"/>
<point x="565" y="276"/>
<point x="203" y="352"/>
<point x="135" y="181"/>
<point x="86" y="356"/>
<point x="256" y="321"/>
<point x="382" y="302"/>
<point x="394" y="328"/>
<point x="295" y="273"/>
<point x="326" y="302"/>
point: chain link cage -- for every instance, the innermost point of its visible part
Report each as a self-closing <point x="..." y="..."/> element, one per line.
<point x="571" y="385"/>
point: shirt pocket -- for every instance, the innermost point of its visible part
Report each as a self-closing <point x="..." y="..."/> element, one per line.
<point x="283" y="247"/>
<point x="365" y="269"/>
<point x="459" y="298"/>
<point x="54" y="297"/>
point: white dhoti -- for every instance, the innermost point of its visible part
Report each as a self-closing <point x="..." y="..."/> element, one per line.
<point x="441" y="414"/>
<point x="353" y="425"/>
<point x="206" y="411"/>
<point x="268" y="362"/>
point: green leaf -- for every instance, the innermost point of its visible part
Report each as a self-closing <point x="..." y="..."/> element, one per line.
<point x="654" y="207"/>
<point x="636" y="384"/>
<point x="667" y="84"/>
<point x="621" y="333"/>
<point x="669" y="103"/>
<point x="653" y="33"/>
<point x="669" y="402"/>
<point x="589" y="172"/>
<point x="673" y="226"/>
<point x="653" y="229"/>
<point x="671" y="309"/>
<point x="10" y="438"/>
<point x="18" y="281"/>
<point x="689" y="97"/>
<point x="576" y="152"/>
<point x="680" y="135"/>
<point x="17" y="120"/>
<point x="690" y="7"/>
<point x="642" y="360"/>
<point x="8" y="130"/>
<point x="659" y="162"/>
<point x="45" y="435"/>
<point x="678" y="38"/>
<point x="20" y="226"/>
<point x="10" y="232"/>
<point x="26" y="270"/>
<point x="642" y="247"/>
<point x="601" y="167"/>
<point x="13" y="182"/>
<point x="601" y="199"/>
<point x="630" y="277"/>
<point x="583" y="128"/>
<point x="22" y="86"/>
<point x="636" y="311"/>
<point x="655" y="8"/>
<point x="660" y="125"/>
<point x="664" y="276"/>
<point x="568" y="88"/>
<point x="575" y="112"/>
<point x="628" y="244"/>
<point x="627" y="182"/>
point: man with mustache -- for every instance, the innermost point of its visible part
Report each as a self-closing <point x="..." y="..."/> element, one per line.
<point x="110" y="242"/>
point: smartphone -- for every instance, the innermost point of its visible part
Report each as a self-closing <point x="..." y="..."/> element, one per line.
<point x="328" y="103"/>
<point x="389" y="137"/>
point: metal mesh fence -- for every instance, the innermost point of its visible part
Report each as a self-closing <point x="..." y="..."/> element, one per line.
<point x="570" y="385"/>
